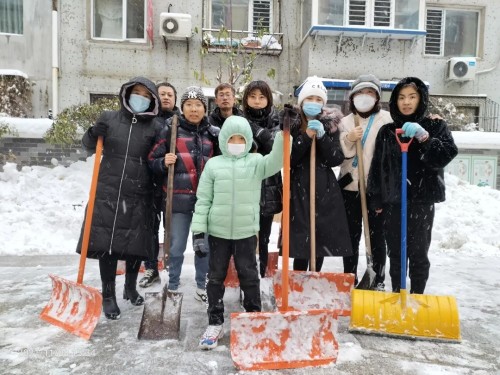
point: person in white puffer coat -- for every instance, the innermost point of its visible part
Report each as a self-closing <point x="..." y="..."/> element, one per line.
<point x="364" y="101"/>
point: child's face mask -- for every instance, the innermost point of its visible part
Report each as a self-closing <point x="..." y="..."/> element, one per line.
<point x="236" y="149"/>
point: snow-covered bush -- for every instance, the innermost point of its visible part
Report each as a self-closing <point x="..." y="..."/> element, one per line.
<point x="74" y="121"/>
<point x="455" y="119"/>
<point x="15" y="96"/>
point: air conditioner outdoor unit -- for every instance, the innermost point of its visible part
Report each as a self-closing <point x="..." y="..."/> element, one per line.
<point x="175" y="25"/>
<point x="461" y="68"/>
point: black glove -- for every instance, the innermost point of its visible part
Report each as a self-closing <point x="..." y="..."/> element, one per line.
<point x="100" y="129"/>
<point x="199" y="245"/>
<point x="288" y="108"/>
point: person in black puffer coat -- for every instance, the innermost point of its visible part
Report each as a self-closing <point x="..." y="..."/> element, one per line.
<point x="225" y="99"/>
<point x="432" y="149"/>
<point x="122" y="222"/>
<point x="264" y="120"/>
<point x="196" y="143"/>
<point x="168" y="98"/>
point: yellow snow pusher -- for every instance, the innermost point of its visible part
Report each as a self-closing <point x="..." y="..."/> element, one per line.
<point x="284" y="339"/>
<point x="73" y="306"/>
<point x="400" y="314"/>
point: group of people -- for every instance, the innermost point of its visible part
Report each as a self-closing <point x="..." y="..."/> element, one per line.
<point x="228" y="186"/>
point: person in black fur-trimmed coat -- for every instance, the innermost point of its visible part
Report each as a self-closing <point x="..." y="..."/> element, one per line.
<point x="431" y="150"/>
<point x="122" y="222"/>
<point x="312" y="118"/>
<point x="264" y="121"/>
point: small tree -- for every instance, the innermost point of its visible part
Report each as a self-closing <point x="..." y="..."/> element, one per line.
<point x="74" y="121"/>
<point x="456" y="120"/>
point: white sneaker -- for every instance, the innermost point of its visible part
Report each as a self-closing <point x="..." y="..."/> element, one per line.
<point x="201" y="295"/>
<point x="211" y="337"/>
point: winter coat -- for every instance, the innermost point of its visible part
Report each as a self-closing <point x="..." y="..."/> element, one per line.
<point x="349" y="148"/>
<point x="426" y="160"/>
<point x="332" y="232"/>
<point x="195" y="144"/>
<point x="122" y="222"/>
<point x="229" y="189"/>
<point x="215" y="118"/>
<point x="264" y="129"/>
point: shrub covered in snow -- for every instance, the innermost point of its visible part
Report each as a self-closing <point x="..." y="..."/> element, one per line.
<point x="15" y="96"/>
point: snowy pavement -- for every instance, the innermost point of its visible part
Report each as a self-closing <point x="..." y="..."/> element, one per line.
<point x="28" y="345"/>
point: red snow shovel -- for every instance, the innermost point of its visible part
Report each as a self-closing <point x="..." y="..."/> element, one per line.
<point x="284" y="339"/>
<point x="73" y="306"/>
<point x="311" y="289"/>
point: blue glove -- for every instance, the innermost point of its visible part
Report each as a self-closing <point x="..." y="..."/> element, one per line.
<point x="199" y="245"/>
<point x="412" y="129"/>
<point x="317" y="126"/>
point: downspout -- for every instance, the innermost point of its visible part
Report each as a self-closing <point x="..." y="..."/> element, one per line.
<point x="55" y="60"/>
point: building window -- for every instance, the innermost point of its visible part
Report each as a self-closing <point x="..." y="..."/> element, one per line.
<point x="246" y="15"/>
<point x="119" y="19"/>
<point x="11" y="16"/>
<point x="451" y="32"/>
<point x="395" y="14"/>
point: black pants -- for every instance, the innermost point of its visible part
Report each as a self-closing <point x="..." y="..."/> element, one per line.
<point x="266" y="223"/>
<point x="108" y="264"/>
<point x="245" y="262"/>
<point x="303" y="264"/>
<point x="352" y="203"/>
<point x="420" y="219"/>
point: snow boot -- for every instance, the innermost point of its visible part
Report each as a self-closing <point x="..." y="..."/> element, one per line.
<point x="109" y="305"/>
<point x="130" y="290"/>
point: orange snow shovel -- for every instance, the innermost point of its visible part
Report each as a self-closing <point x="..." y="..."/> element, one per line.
<point x="284" y="339"/>
<point x="311" y="289"/>
<point x="73" y="306"/>
<point x="399" y="314"/>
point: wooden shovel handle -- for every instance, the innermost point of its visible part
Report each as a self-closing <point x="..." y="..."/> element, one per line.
<point x="170" y="193"/>
<point x="312" y="203"/>
<point x="90" y="211"/>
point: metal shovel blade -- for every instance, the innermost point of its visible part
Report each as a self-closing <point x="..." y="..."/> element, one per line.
<point x="73" y="307"/>
<point x="281" y="340"/>
<point x="161" y="317"/>
<point x="317" y="290"/>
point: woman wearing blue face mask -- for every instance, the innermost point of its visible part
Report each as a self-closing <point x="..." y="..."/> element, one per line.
<point x="312" y="119"/>
<point x="122" y="223"/>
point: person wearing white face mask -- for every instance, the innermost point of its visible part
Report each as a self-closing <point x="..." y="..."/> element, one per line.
<point x="364" y="103"/>
<point x="227" y="209"/>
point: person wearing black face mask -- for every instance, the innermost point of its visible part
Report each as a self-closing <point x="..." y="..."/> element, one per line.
<point x="364" y="103"/>
<point x="264" y="120"/>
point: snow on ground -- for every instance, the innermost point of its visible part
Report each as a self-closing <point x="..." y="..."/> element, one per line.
<point x="41" y="211"/>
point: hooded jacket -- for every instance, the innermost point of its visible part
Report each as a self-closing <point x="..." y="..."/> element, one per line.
<point x="426" y="160"/>
<point x="122" y="223"/>
<point x="215" y="118"/>
<point x="229" y="189"/>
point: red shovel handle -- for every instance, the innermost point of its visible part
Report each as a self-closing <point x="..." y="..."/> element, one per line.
<point x="285" y="235"/>
<point x="90" y="211"/>
<point x="404" y="145"/>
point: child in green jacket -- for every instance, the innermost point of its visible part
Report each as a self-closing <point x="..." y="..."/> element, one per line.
<point x="227" y="208"/>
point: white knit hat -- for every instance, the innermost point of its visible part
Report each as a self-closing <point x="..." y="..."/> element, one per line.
<point x="312" y="86"/>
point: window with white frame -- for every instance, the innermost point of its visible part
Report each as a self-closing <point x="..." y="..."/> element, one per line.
<point x="246" y="15"/>
<point x="11" y="16"/>
<point x="452" y="32"/>
<point x="119" y="19"/>
<point x="395" y="14"/>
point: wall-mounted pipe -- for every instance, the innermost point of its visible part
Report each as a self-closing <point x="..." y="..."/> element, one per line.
<point x="55" y="64"/>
